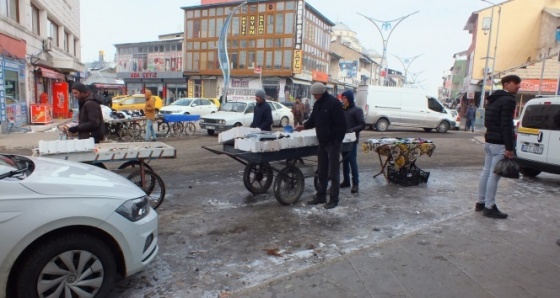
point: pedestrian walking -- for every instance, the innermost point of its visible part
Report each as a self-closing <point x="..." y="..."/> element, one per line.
<point x="262" y="116"/>
<point x="90" y="117"/>
<point x="498" y="120"/>
<point x="307" y="109"/>
<point x="150" y="114"/>
<point x="471" y="116"/>
<point x="355" y="123"/>
<point x="298" y="109"/>
<point x="329" y="122"/>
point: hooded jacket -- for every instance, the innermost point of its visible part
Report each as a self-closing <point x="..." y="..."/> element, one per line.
<point x="498" y="119"/>
<point x="354" y="115"/>
<point x="90" y="119"/>
<point x="328" y="120"/>
<point x="262" y="117"/>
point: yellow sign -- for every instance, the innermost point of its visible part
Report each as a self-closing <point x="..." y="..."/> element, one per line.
<point x="190" y="88"/>
<point x="529" y="131"/>
<point x="243" y="25"/>
<point x="261" y="25"/>
<point x="252" y="25"/>
<point x="296" y="68"/>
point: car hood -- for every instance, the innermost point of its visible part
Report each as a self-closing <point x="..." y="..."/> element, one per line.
<point x="66" y="178"/>
<point x="224" y="115"/>
<point x="174" y="108"/>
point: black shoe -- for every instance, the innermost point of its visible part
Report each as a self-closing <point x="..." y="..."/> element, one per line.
<point x="558" y="241"/>
<point x="479" y="207"/>
<point x="331" y="204"/>
<point x="344" y="184"/>
<point x="316" y="201"/>
<point x="355" y="188"/>
<point x="494" y="213"/>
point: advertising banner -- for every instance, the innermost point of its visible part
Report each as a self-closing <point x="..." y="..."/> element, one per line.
<point x="2" y="91"/>
<point x="60" y="100"/>
<point x="348" y="69"/>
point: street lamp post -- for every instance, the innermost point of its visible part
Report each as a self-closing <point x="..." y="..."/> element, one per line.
<point x="406" y="64"/>
<point x="386" y="25"/>
<point x="495" y="45"/>
<point x="484" y="71"/>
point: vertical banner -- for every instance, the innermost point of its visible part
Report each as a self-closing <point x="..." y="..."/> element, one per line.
<point x="298" y="44"/>
<point x="190" y="88"/>
<point x="222" y="50"/>
<point x="60" y="99"/>
<point x="2" y="91"/>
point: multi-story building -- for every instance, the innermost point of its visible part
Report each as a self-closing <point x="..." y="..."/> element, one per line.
<point x="39" y="47"/>
<point x="349" y="67"/>
<point x="280" y="46"/>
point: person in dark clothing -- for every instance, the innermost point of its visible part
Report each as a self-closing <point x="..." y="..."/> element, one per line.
<point x="556" y="120"/>
<point x="355" y="123"/>
<point x="262" y="116"/>
<point x="471" y="116"/>
<point x="90" y="117"/>
<point x="498" y="119"/>
<point x="327" y="117"/>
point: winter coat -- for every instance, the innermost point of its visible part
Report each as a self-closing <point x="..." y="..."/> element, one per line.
<point x="90" y="119"/>
<point x="498" y="119"/>
<point x="471" y="113"/>
<point x="298" y="109"/>
<point x="150" y="108"/>
<point x="355" y="120"/>
<point x="262" y="116"/>
<point x="328" y="120"/>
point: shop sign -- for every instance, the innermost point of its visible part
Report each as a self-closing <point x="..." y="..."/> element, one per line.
<point x="532" y="85"/>
<point x="299" y="24"/>
<point x="296" y="68"/>
<point x="239" y="83"/>
<point x="320" y="76"/>
<point x="145" y="75"/>
<point x="190" y="88"/>
<point x="2" y="94"/>
<point x="261" y="25"/>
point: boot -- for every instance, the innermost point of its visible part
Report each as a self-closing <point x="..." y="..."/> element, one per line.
<point x="316" y="201"/>
<point x="355" y="188"/>
<point x="344" y="184"/>
<point x="494" y="212"/>
<point x="331" y="204"/>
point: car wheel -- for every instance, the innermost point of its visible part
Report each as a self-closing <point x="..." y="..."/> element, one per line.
<point x="69" y="265"/>
<point x="186" y="113"/>
<point x="285" y="121"/>
<point x="237" y="124"/>
<point x="382" y="125"/>
<point x="529" y="172"/>
<point x="443" y="127"/>
<point x="210" y="132"/>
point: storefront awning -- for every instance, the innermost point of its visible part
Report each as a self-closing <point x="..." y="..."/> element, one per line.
<point x="301" y="82"/>
<point x="51" y="74"/>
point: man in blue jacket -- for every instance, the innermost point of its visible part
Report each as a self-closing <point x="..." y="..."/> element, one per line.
<point x="327" y="117"/>
<point x="262" y="116"/>
<point x="356" y="123"/>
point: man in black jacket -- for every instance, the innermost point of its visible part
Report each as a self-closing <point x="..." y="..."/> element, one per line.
<point x="498" y="119"/>
<point x="262" y="115"/>
<point x="90" y="117"/>
<point x="329" y="122"/>
<point x="356" y="123"/>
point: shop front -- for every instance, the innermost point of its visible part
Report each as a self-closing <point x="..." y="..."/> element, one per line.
<point x="168" y="85"/>
<point x="13" y="105"/>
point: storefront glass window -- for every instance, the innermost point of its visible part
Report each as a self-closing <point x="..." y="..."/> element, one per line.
<point x="11" y="85"/>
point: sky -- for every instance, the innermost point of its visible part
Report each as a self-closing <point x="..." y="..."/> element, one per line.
<point x="435" y="32"/>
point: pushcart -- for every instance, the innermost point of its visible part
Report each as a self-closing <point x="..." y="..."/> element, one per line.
<point x="125" y="130"/>
<point x="134" y="158"/>
<point x="285" y="170"/>
<point x="175" y="124"/>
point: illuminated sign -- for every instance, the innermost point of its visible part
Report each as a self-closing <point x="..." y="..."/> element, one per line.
<point x="190" y="88"/>
<point x="243" y="25"/>
<point x="299" y="24"/>
<point x="261" y="25"/>
<point x="145" y="75"/>
<point x="296" y="68"/>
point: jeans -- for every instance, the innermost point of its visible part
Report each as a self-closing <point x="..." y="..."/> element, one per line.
<point x="150" y="132"/>
<point x="329" y="169"/>
<point x="488" y="184"/>
<point x="469" y="125"/>
<point x="350" y="161"/>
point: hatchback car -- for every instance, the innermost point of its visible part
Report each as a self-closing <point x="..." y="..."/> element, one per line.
<point x="135" y="102"/>
<point x="240" y="113"/>
<point x="190" y="106"/>
<point x="68" y="229"/>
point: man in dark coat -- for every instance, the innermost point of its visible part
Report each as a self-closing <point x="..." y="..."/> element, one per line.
<point x="498" y="119"/>
<point x="356" y="123"/>
<point x="90" y="117"/>
<point x="262" y="116"/>
<point x="329" y="122"/>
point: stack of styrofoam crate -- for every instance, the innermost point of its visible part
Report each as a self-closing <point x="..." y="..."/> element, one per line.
<point x="259" y="142"/>
<point x="230" y="135"/>
<point x="66" y="146"/>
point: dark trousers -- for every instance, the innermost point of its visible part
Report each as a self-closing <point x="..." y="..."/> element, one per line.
<point x="298" y="119"/>
<point x="329" y="169"/>
<point x="469" y="125"/>
<point x="350" y="161"/>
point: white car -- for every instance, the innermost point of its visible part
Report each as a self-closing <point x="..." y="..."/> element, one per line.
<point x="68" y="229"/>
<point x="240" y="113"/>
<point x="190" y="106"/>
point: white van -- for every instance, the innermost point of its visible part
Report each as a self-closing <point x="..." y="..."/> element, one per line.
<point x="538" y="137"/>
<point x="385" y="106"/>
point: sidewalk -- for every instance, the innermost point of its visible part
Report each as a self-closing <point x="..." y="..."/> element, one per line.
<point x="31" y="139"/>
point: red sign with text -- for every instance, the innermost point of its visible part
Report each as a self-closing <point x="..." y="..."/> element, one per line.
<point x="60" y="100"/>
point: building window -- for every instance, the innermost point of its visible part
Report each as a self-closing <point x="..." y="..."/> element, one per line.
<point x="270" y="24"/>
<point x="10" y="9"/>
<point x="268" y="61"/>
<point x="289" y="29"/>
<point x="35" y="19"/>
<point x="234" y="58"/>
<point x="66" y="41"/>
<point x="287" y="59"/>
<point x="279" y="22"/>
<point x="242" y="60"/>
<point x="277" y="60"/>
<point x="53" y="32"/>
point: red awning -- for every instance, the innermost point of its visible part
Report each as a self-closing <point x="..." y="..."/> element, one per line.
<point x="52" y="74"/>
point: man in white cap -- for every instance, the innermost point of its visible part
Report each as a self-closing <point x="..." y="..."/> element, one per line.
<point x="329" y="122"/>
<point x="262" y="116"/>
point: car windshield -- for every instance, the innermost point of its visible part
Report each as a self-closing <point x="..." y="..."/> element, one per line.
<point x="238" y="107"/>
<point x="182" y="102"/>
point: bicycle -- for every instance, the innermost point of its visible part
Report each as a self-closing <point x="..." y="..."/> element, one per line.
<point x="14" y="128"/>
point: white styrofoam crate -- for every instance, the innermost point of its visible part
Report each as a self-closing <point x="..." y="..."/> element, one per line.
<point x="235" y="133"/>
<point x="349" y="137"/>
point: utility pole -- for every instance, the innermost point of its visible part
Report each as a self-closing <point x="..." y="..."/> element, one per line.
<point x="495" y="45"/>
<point x="406" y="64"/>
<point x="484" y="71"/>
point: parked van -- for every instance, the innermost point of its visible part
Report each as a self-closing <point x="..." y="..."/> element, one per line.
<point x="393" y="106"/>
<point x="538" y="137"/>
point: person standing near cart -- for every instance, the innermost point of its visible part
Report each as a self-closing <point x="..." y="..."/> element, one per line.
<point x="262" y="115"/>
<point x="356" y="123"/>
<point x="471" y="116"/>
<point x="327" y="117"/>
<point x="150" y="114"/>
<point x="90" y="117"/>
<point x="298" y="109"/>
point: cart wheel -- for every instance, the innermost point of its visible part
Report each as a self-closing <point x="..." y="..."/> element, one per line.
<point x="257" y="177"/>
<point x="164" y="127"/>
<point x="133" y="164"/>
<point x="288" y="185"/>
<point x="135" y="131"/>
<point x="177" y="128"/>
<point x="153" y="186"/>
<point x="190" y="129"/>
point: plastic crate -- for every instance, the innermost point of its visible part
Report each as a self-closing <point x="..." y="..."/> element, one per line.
<point x="180" y="118"/>
<point x="407" y="176"/>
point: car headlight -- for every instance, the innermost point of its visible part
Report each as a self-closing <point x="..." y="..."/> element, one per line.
<point x="201" y="120"/>
<point x="177" y="111"/>
<point x="135" y="209"/>
<point x="222" y="121"/>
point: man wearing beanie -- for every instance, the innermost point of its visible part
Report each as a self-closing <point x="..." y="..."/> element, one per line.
<point x="327" y="117"/>
<point x="90" y="117"/>
<point x="262" y="116"/>
<point x="356" y="123"/>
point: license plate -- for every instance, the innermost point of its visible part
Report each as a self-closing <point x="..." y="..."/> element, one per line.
<point x="532" y="149"/>
<point x="210" y="127"/>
